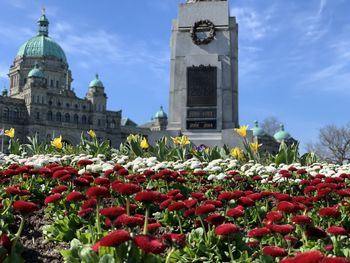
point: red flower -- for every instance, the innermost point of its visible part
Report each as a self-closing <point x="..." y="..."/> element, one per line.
<point x="215" y="219"/>
<point x="96" y="247"/>
<point x="176" y="206"/>
<point x="205" y="209"/>
<point x="301" y="220"/>
<point x="274" y="251"/>
<point x="315" y="232"/>
<point x="75" y="196"/>
<point x="329" y="212"/>
<point x="59" y="189"/>
<point x="149" y="244"/>
<point x="5" y="242"/>
<point x="153" y="226"/>
<point x="53" y="198"/>
<point x="85" y="211"/>
<point x="286" y="207"/>
<point x="24" y="207"/>
<point x="189" y="212"/>
<point x="236" y="212"/>
<point x="12" y="191"/>
<point x="115" y="238"/>
<point x="166" y="203"/>
<point x="190" y="203"/>
<point x="259" y="232"/>
<point x="89" y="203"/>
<point x="97" y="191"/>
<point x="102" y="181"/>
<point x="122" y="171"/>
<point x="337" y="230"/>
<point x="309" y="257"/>
<point x="112" y="212"/>
<point x="246" y="201"/>
<point x="84" y="162"/>
<point x="226" y="196"/>
<point x="126" y="189"/>
<point x="130" y="221"/>
<point x="281" y="229"/>
<point x="147" y="197"/>
<point x="178" y="240"/>
<point x="335" y="260"/>
<point x="226" y="229"/>
<point x="274" y="216"/>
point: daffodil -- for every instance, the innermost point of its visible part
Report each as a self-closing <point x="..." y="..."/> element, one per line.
<point x="132" y="137"/>
<point x="144" y="144"/>
<point x="237" y="153"/>
<point x="242" y="131"/>
<point x="92" y="134"/>
<point x="57" y="143"/>
<point x="10" y="133"/>
<point x="255" y="146"/>
<point x="183" y="140"/>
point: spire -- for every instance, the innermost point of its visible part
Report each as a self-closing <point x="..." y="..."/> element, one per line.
<point x="281" y="127"/>
<point x="256" y="123"/>
<point x="96" y="75"/>
<point x="43" y="24"/>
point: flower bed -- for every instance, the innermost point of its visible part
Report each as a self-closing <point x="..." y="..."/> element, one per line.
<point x="143" y="210"/>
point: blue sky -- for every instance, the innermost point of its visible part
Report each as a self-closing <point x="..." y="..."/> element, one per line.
<point x="294" y="55"/>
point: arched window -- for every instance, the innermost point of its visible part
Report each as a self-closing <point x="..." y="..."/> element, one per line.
<point x="67" y="117"/>
<point x="16" y="114"/>
<point x="83" y="119"/>
<point x="58" y="116"/>
<point x="90" y="120"/>
<point x="76" y="118"/>
<point x="49" y="115"/>
<point x="113" y="124"/>
<point x="6" y="114"/>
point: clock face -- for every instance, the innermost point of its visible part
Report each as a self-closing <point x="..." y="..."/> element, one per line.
<point x="203" y="32"/>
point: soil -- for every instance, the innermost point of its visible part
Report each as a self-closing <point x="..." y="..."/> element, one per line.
<point x="36" y="248"/>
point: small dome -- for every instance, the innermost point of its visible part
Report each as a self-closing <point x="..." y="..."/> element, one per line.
<point x="36" y="73"/>
<point x="96" y="82"/>
<point x="42" y="45"/>
<point x="281" y="135"/>
<point x="161" y="114"/>
<point x="257" y="131"/>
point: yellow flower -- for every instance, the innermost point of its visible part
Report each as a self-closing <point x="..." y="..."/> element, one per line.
<point x="242" y="131"/>
<point x="57" y="143"/>
<point x="183" y="140"/>
<point x="144" y="144"/>
<point x="10" y="133"/>
<point x="92" y="134"/>
<point x="237" y="153"/>
<point x="132" y="137"/>
<point x="255" y="146"/>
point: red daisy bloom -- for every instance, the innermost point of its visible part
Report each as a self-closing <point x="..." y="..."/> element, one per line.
<point x="149" y="244"/>
<point x="259" y="232"/>
<point x="301" y="220"/>
<point x="98" y="191"/>
<point x="52" y="198"/>
<point x="176" y="206"/>
<point x="226" y="229"/>
<point x="178" y="240"/>
<point x="275" y="251"/>
<point x="236" y="212"/>
<point x="337" y="230"/>
<point x="329" y="212"/>
<point x="126" y="189"/>
<point x="205" y="209"/>
<point x="75" y="196"/>
<point x="115" y="238"/>
<point x="112" y="212"/>
<point x="281" y="229"/>
<point x="147" y="197"/>
<point x="84" y="162"/>
<point x="24" y="207"/>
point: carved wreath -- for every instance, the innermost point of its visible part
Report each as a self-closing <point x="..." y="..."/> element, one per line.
<point x="206" y="24"/>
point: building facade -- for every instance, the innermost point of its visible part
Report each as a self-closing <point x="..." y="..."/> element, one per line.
<point x="41" y="101"/>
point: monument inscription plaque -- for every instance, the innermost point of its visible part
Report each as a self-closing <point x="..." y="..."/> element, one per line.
<point x="201" y="86"/>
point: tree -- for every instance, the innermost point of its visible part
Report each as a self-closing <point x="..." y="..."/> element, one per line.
<point x="333" y="144"/>
<point x="270" y="125"/>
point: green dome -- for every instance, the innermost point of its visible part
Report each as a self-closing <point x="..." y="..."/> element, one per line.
<point x="161" y="114"/>
<point x="96" y="82"/>
<point x="257" y="131"/>
<point x="42" y="45"/>
<point x="36" y="73"/>
<point x="281" y="135"/>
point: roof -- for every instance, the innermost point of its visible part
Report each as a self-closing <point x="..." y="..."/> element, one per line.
<point x="281" y="135"/>
<point x="96" y="82"/>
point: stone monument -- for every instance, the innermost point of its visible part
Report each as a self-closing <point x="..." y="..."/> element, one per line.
<point x="204" y="72"/>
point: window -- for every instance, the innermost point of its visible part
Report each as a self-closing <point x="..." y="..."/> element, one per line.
<point x="50" y="102"/>
<point x="76" y="118"/>
<point x="67" y="105"/>
<point x="38" y="116"/>
<point x="84" y="107"/>
<point x="83" y="119"/>
<point x="6" y="114"/>
<point x="90" y="120"/>
<point x="24" y="81"/>
<point x="51" y="83"/>
<point x="67" y="117"/>
<point x="113" y="124"/>
<point x="99" y="122"/>
<point x="58" y="116"/>
<point x="49" y="116"/>
<point x="59" y="103"/>
<point x="38" y="99"/>
<point x="16" y="114"/>
<point x="57" y="84"/>
<point x="76" y="106"/>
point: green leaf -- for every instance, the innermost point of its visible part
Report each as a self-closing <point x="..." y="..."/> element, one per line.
<point x="107" y="259"/>
<point x="88" y="255"/>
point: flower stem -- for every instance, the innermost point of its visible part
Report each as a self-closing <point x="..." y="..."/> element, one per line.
<point x="98" y="223"/>
<point x="180" y="225"/>
<point x="230" y="251"/>
<point x="169" y="255"/>
<point x="145" y="226"/>
<point x="18" y="234"/>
